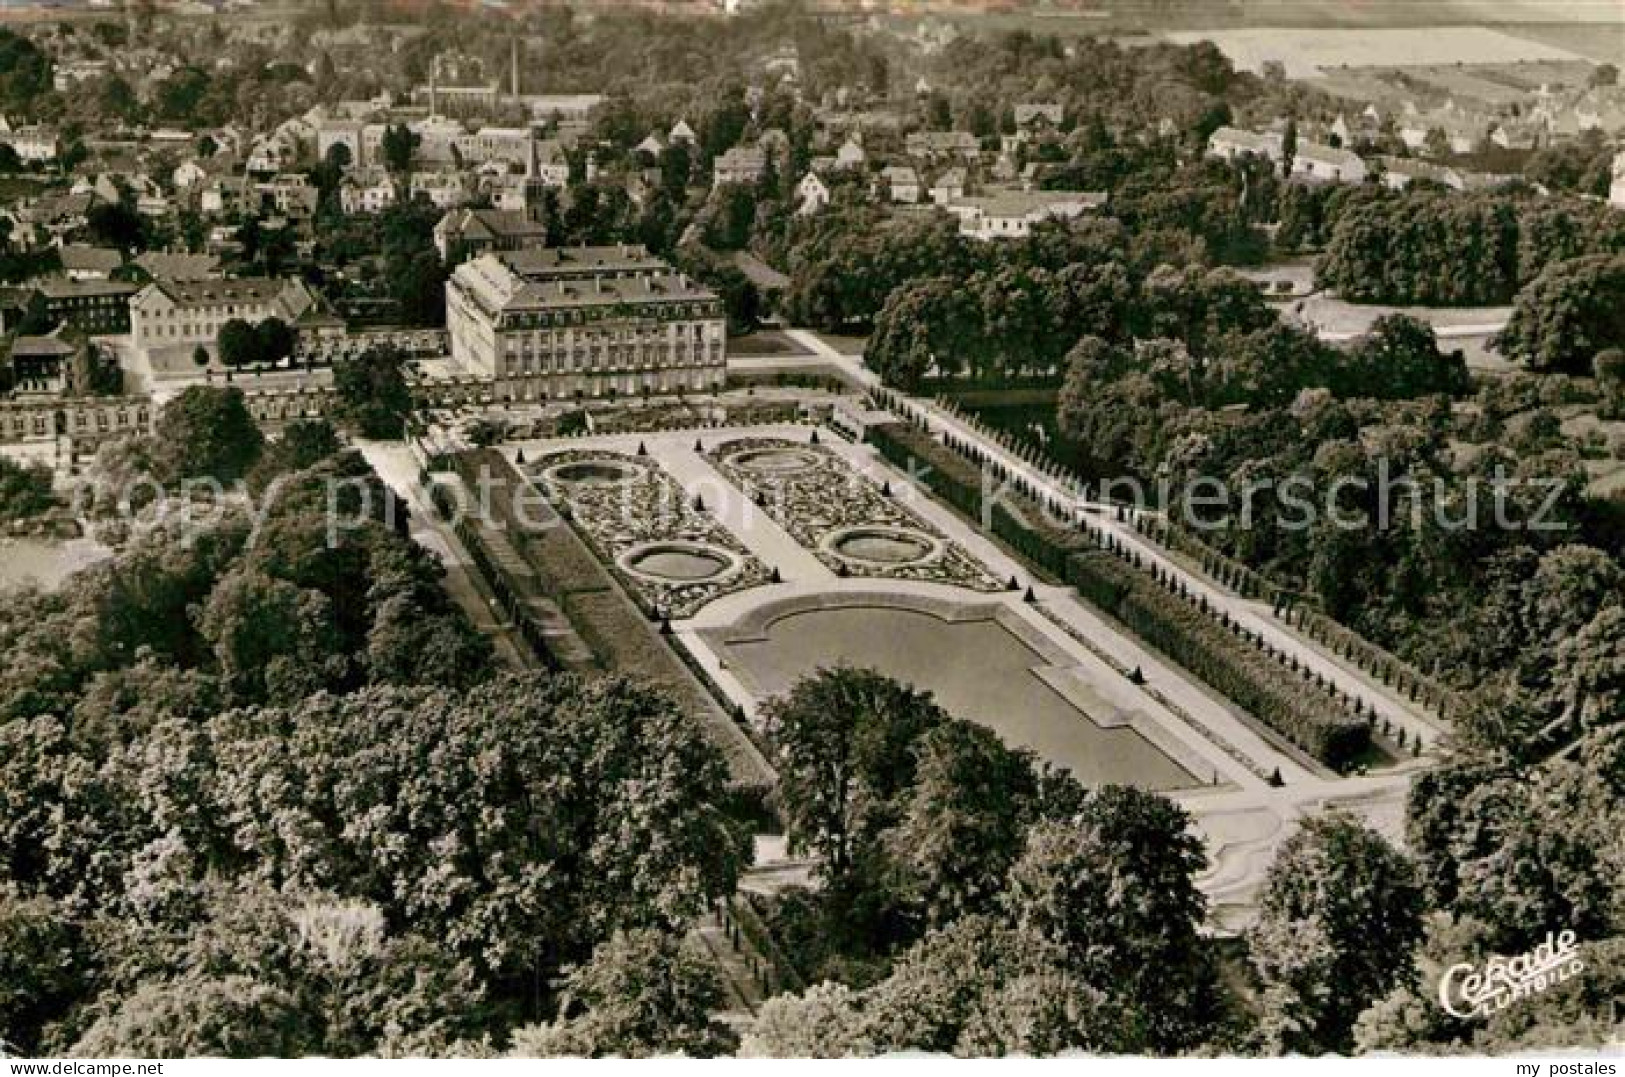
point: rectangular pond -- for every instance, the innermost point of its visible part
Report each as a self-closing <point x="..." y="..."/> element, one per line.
<point x="978" y="670"/>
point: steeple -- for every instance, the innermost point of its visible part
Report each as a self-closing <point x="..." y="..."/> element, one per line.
<point x="513" y="63"/>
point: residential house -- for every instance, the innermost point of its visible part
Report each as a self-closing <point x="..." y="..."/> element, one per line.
<point x="34" y="144"/>
<point x="1038" y="120"/>
<point x="1323" y="164"/>
<point x="681" y="132"/>
<point x="473" y="232"/>
<point x="851" y="156"/>
<point x="949" y="186"/>
<point x="42" y="364"/>
<point x="53" y="218"/>
<point x="66" y="74"/>
<point x="83" y="262"/>
<point x="942" y="145"/>
<point x="178" y="266"/>
<point x="225" y="195"/>
<point x="273" y="153"/>
<point x="1233" y="143"/>
<point x="289" y="193"/>
<point x="742" y="164"/>
<point x="443" y="189"/>
<point x="900" y="183"/>
<point x="1399" y="173"/>
<point x="187" y="175"/>
<point x="1012" y="214"/>
<point x="812" y="194"/>
<point x="369" y="191"/>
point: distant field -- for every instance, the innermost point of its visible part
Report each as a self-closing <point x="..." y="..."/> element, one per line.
<point x="1602" y="42"/>
<point x="1306" y="53"/>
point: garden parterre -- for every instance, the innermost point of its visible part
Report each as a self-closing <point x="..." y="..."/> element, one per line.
<point x="644" y="509"/>
<point x="818" y="498"/>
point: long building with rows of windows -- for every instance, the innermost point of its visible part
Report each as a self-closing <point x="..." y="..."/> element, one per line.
<point x="583" y="321"/>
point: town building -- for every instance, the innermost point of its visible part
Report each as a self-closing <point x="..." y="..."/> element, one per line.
<point x="1233" y="143"/>
<point x="812" y="194"/>
<point x="943" y="145"/>
<point x="473" y="232"/>
<point x="41" y="364"/>
<point x="92" y="306"/>
<point x="1012" y="214"/>
<point x="900" y="183"/>
<point x="1324" y="164"/>
<point x="167" y="315"/>
<point x="178" y="266"/>
<point x="36" y="144"/>
<point x="370" y="191"/>
<point x="83" y="262"/>
<point x="742" y="164"/>
<point x="586" y="321"/>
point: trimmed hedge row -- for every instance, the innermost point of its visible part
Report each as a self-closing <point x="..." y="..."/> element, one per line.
<point x="1015" y="518"/>
<point x="1297" y="708"/>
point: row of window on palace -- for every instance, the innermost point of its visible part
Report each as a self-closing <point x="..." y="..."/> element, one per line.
<point x="659" y="336"/>
<point x="614" y="358"/>
<point x="673" y="312"/>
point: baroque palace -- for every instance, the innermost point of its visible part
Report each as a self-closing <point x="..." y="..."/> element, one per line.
<point x="584" y="321"/>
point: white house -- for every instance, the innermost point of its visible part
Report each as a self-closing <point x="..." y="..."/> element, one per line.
<point x="1012" y="214"/>
<point x="851" y="155"/>
<point x="188" y="174"/>
<point x="1232" y="143"/>
<point x="742" y="164"/>
<point x="367" y="192"/>
<point x="1313" y="161"/>
<point x="901" y="183"/>
<point x="35" y="144"/>
<point x="812" y="194"/>
<point x="949" y="187"/>
<point x="443" y="189"/>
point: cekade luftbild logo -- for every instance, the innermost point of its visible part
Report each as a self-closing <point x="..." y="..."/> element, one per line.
<point x="1467" y="991"/>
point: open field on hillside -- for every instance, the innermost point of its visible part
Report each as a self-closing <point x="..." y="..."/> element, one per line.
<point x="1308" y="52"/>
<point x="1603" y="42"/>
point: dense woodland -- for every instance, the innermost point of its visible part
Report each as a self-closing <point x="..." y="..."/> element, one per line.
<point x="267" y="794"/>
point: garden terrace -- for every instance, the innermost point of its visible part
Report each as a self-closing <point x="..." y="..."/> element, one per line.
<point x="671" y="557"/>
<point x="853" y="526"/>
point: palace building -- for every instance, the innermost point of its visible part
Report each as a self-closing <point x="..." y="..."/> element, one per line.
<point x="545" y="323"/>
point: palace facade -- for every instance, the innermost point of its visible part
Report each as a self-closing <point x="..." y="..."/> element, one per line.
<point x="546" y="323"/>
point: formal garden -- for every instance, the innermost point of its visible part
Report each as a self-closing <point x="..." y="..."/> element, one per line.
<point x="668" y="552"/>
<point x="852" y="525"/>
